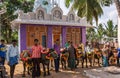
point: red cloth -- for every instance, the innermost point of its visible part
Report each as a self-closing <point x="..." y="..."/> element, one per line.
<point x="36" y="51"/>
<point x="25" y="58"/>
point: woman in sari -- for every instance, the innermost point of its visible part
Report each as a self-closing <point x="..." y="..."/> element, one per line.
<point x="71" y="58"/>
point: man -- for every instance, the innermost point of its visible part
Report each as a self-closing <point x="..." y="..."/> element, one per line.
<point x="2" y="52"/>
<point x="56" y="61"/>
<point x="84" y="57"/>
<point x="87" y="51"/>
<point x="71" y="58"/>
<point x="36" y="57"/>
<point x="81" y="45"/>
<point x="116" y="44"/>
<point x="12" y="57"/>
<point x="67" y="44"/>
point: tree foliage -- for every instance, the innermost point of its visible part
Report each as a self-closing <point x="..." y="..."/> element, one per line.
<point x="111" y="29"/>
<point x="91" y="9"/>
<point x="6" y="18"/>
<point x="102" y="31"/>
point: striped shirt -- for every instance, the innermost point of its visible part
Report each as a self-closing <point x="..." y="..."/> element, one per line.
<point x="36" y="51"/>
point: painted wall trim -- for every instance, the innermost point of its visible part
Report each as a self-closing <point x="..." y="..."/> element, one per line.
<point x="23" y="37"/>
<point x="84" y="35"/>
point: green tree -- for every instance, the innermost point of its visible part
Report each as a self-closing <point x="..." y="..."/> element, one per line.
<point x="110" y="29"/>
<point x="6" y="18"/>
<point x="91" y="34"/>
<point x="100" y="32"/>
<point x="91" y="9"/>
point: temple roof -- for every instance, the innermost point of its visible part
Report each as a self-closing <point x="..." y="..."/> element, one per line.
<point x="40" y="16"/>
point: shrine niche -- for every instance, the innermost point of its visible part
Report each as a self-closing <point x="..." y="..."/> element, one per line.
<point x="71" y="16"/>
<point x="40" y="15"/>
<point x="74" y="35"/>
<point x="36" y="32"/>
<point x="57" y="15"/>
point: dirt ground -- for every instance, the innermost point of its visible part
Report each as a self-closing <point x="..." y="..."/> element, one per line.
<point x="78" y="73"/>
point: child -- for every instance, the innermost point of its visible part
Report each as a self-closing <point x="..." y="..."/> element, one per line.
<point x="105" y="59"/>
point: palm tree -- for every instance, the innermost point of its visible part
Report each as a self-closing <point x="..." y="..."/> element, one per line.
<point x="100" y="32"/>
<point x="91" y="9"/>
<point x="91" y="34"/>
<point x="110" y="29"/>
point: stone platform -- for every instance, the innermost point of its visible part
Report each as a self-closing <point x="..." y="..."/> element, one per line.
<point x="104" y="72"/>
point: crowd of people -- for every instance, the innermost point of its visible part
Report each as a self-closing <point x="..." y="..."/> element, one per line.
<point x="108" y="53"/>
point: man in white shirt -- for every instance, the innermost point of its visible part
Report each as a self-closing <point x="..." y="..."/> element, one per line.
<point x="12" y="57"/>
<point x="88" y="50"/>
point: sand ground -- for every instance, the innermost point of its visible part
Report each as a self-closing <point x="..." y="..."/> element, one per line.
<point x="78" y="73"/>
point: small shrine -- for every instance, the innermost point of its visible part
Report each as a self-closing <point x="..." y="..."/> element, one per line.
<point x="47" y="26"/>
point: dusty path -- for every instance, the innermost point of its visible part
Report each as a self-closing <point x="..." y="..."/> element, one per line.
<point x="78" y="73"/>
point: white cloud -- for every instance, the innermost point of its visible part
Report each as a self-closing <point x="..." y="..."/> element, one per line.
<point x="109" y="13"/>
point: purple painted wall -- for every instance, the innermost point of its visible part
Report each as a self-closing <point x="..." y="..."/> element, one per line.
<point x="84" y="35"/>
<point x="63" y="36"/>
<point x="22" y="37"/>
<point x="49" y="38"/>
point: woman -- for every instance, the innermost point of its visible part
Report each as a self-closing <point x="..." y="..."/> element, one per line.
<point x="71" y="58"/>
<point x="105" y="59"/>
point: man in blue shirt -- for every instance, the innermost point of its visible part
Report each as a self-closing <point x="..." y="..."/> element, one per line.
<point x="2" y="52"/>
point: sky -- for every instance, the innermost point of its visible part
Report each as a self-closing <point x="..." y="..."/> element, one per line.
<point x="109" y="13"/>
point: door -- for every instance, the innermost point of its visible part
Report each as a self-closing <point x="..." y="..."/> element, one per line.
<point x="44" y="40"/>
<point x="55" y="37"/>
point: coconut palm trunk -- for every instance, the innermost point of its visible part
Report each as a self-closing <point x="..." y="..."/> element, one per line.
<point x="117" y="3"/>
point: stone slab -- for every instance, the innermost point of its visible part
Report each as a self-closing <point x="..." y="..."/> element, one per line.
<point x="102" y="72"/>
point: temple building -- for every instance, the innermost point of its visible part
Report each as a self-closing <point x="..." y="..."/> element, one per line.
<point x="47" y="26"/>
